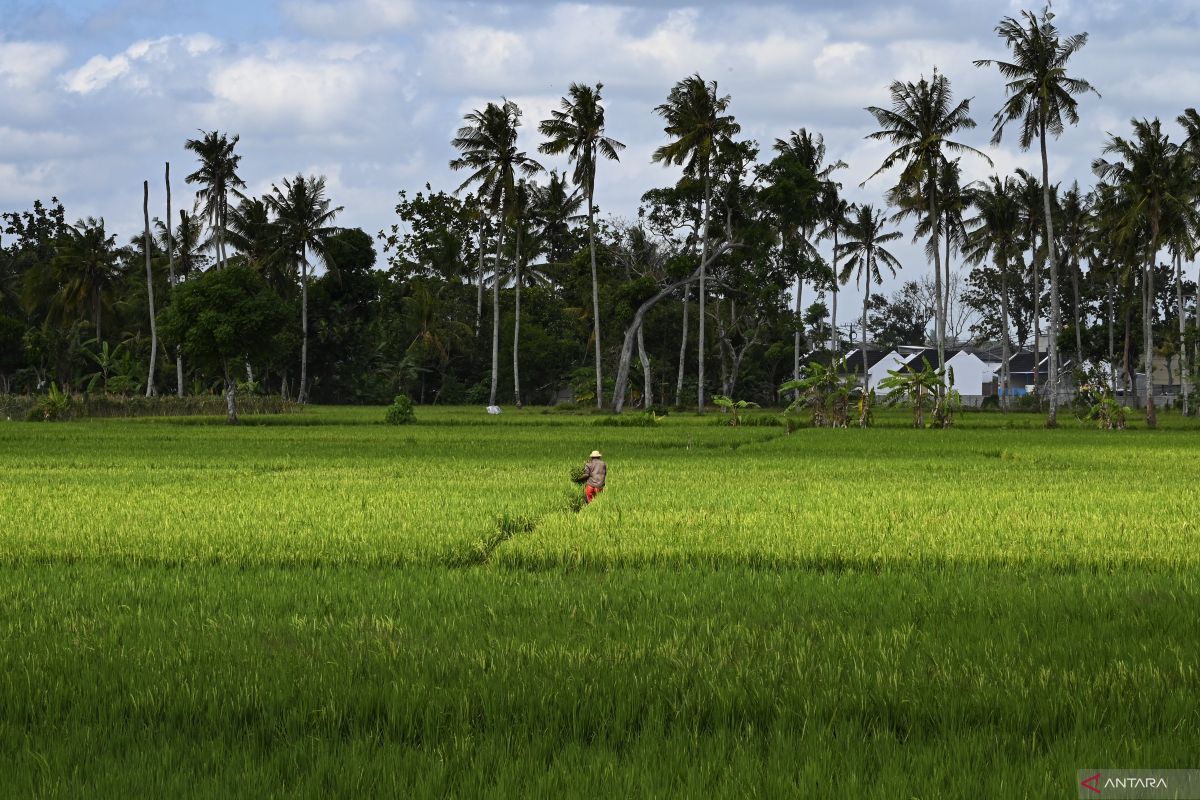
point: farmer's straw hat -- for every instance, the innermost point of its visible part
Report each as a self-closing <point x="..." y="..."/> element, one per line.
<point x="595" y="454"/>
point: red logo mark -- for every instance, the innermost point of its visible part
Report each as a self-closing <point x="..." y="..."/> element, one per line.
<point x="1090" y="783"/>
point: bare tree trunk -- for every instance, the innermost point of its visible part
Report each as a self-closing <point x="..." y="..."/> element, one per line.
<point x="496" y="313"/>
<point x="517" y="320"/>
<point x="682" y="347"/>
<point x="1052" y="345"/>
<point x="231" y="416"/>
<point x="595" y="299"/>
<point x="648" y="393"/>
<point x="1183" y="362"/>
<point x="303" y="396"/>
<point x="171" y="277"/>
<point x="703" y="269"/>
<point x="639" y="317"/>
<point x="150" y="390"/>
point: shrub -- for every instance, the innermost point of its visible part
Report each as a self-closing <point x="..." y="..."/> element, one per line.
<point x="400" y="412"/>
<point x="1109" y="414"/>
<point x="55" y="406"/>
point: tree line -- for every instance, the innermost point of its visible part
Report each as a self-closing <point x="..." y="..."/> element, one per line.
<point x="705" y="287"/>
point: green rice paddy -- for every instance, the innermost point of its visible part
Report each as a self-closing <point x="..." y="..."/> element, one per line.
<point x="318" y="605"/>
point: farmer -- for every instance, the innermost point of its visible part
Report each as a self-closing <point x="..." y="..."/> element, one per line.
<point x="594" y="471"/>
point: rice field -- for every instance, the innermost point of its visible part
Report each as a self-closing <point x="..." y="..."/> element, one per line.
<point x="318" y="605"/>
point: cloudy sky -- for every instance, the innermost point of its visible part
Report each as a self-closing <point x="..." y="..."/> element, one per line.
<point x="96" y="94"/>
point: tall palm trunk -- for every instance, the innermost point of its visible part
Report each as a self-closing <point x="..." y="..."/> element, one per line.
<point x="1005" y="354"/>
<point x="496" y="313"/>
<point x="479" y="292"/>
<point x="1078" y="312"/>
<point x="703" y="270"/>
<point x="648" y="391"/>
<point x="303" y="397"/>
<point x="150" y="391"/>
<point x="1183" y="361"/>
<point x="833" y="331"/>
<point x="1112" y="337"/>
<point x="517" y="320"/>
<point x="1037" y="309"/>
<point x="687" y="290"/>
<point x="866" y="302"/>
<point x="1052" y="344"/>
<point x="595" y="298"/>
<point x="171" y="277"/>
<point x="939" y="307"/>
<point x="1148" y="321"/>
<point x="796" y="333"/>
<point x="946" y="285"/>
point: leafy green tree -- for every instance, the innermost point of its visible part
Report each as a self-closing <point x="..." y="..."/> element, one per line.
<point x="577" y="129"/>
<point x="1041" y="96"/>
<point x="698" y="126"/>
<point x="865" y="252"/>
<point x="217" y="177"/>
<point x="920" y="123"/>
<point x="304" y="216"/>
<point x="223" y="319"/>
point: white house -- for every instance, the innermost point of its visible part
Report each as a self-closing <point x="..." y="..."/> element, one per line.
<point x="971" y="374"/>
<point x="879" y="370"/>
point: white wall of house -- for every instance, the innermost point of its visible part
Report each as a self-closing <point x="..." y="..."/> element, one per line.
<point x="879" y="371"/>
<point x="970" y="373"/>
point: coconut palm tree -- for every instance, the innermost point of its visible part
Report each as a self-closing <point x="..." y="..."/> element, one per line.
<point x="554" y="211"/>
<point x="85" y="273"/>
<point x="995" y="231"/>
<point x="170" y="249"/>
<point x="305" y="217"/>
<point x="1041" y="96"/>
<point x="865" y="253"/>
<point x="487" y="144"/>
<point x="1157" y="181"/>
<point x="808" y="150"/>
<point x="186" y="244"/>
<point x="217" y="176"/>
<point x="148" y="245"/>
<point x="698" y="126"/>
<point x="1029" y="198"/>
<point x="1074" y="216"/>
<point x="257" y="238"/>
<point x="835" y="211"/>
<point x="577" y="129"/>
<point x="920" y="123"/>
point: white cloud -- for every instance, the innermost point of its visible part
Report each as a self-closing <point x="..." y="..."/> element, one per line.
<point x="133" y="66"/>
<point x="311" y="93"/>
<point x="351" y="18"/>
<point x="23" y="65"/>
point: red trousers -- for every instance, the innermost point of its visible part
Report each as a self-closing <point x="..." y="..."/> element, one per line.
<point x="590" y="492"/>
